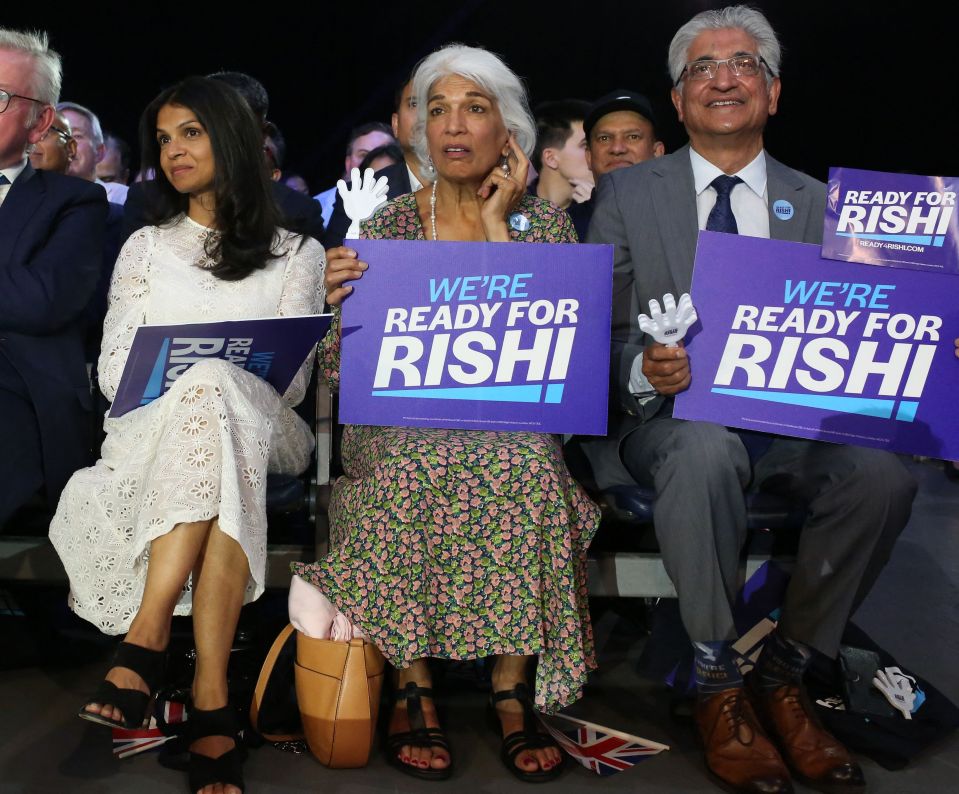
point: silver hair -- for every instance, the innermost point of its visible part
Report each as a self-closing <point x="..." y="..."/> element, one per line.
<point x="486" y="70"/>
<point x="747" y="19"/>
<point x="47" y="72"/>
<point x="90" y="116"/>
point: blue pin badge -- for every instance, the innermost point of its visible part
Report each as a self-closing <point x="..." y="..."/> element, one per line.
<point x="519" y="222"/>
<point x="783" y="210"/>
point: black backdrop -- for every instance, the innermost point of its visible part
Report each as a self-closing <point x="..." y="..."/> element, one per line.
<point x="871" y="85"/>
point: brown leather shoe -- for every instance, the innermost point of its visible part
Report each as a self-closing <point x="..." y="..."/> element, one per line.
<point x="814" y="755"/>
<point x="738" y="752"/>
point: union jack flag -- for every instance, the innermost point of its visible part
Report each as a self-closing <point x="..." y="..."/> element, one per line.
<point x="138" y="740"/>
<point x="598" y="748"/>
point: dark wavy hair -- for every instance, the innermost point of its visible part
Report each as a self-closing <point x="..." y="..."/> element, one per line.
<point x="246" y="214"/>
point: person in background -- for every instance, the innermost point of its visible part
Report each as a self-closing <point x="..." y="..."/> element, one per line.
<point x="297" y="183"/>
<point x="405" y="176"/>
<point x="560" y="157"/>
<point x="115" y="163"/>
<point x="56" y="149"/>
<point x="363" y="139"/>
<point x="88" y="133"/>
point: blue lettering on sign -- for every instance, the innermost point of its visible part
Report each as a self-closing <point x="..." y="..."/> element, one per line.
<point x="471" y="288"/>
<point x="260" y="363"/>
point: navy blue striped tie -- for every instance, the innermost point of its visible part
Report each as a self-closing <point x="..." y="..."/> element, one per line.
<point x="721" y="218"/>
<point x="4" y="180"/>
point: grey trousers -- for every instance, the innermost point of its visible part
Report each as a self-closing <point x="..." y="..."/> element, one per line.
<point x="859" y="500"/>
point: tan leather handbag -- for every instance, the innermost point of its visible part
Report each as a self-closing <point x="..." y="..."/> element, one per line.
<point x="338" y="687"/>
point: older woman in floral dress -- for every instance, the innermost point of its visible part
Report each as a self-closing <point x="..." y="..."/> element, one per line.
<point x="461" y="544"/>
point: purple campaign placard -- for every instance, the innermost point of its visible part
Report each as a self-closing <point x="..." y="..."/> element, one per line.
<point x="479" y="336"/>
<point x="273" y="348"/>
<point x="892" y="219"/>
<point x="793" y="344"/>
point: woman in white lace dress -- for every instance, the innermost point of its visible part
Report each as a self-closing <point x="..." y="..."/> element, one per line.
<point x="171" y="520"/>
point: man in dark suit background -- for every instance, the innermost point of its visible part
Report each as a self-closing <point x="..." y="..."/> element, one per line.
<point x="403" y="178"/>
<point x="51" y="248"/>
<point x="725" y="69"/>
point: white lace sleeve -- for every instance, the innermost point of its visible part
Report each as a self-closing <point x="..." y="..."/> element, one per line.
<point x="126" y="309"/>
<point x="303" y="293"/>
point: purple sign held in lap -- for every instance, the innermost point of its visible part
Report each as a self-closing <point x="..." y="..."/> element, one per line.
<point x="798" y="345"/>
<point x="480" y="336"/>
<point x="892" y="219"/>
<point x="274" y="348"/>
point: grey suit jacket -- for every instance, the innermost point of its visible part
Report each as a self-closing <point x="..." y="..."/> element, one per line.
<point x="648" y="211"/>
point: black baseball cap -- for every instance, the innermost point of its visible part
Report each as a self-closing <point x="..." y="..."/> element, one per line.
<point x="620" y="99"/>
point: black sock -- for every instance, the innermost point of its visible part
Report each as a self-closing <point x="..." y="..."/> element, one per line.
<point x="783" y="661"/>
<point x="716" y="669"/>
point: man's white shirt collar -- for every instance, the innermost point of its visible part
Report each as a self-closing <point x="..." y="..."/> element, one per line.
<point x="14" y="171"/>
<point x="704" y="172"/>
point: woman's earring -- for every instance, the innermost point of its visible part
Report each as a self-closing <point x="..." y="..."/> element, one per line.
<point x="429" y="162"/>
<point x="505" y="165"/>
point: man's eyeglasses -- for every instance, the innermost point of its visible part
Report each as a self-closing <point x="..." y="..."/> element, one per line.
<point x="6" y="96"/>
<point x="738" y="65"/>
<point x="64" y="136"/>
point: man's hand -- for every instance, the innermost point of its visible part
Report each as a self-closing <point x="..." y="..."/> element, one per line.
<point x="582" y="189"/>
<point x="361" y="199"/>
<point x="666" y="368"/>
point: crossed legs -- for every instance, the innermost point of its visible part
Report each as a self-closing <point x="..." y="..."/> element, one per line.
<point x="220" y="573"/>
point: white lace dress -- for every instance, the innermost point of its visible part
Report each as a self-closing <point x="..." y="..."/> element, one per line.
<point x="201" y="450"/>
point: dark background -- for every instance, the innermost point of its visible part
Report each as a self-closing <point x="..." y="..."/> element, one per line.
<point x="869" y="85"/>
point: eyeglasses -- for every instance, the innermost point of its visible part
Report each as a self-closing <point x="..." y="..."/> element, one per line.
<point x="738" y="65"/>
<point x="64" y="136"/>
<point x="6" y="96"/>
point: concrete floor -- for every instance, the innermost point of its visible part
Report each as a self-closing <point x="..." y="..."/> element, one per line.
<point x="913" y="612"/>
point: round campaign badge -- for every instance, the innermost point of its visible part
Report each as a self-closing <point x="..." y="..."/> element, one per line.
<point x="783" y="210"/>
<point x="519" y="222"/>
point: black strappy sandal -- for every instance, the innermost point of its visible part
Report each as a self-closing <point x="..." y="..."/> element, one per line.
<point x="418" y="735"/>
<point x="227" y="768"/>
<point x="531" y="737"/>
<point x="132" y="702"/>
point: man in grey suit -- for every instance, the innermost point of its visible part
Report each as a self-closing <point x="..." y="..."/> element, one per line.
<point x="725" y="69"/>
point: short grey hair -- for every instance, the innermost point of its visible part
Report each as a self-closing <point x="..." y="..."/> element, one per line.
<point x="90" y="116"/>
<point x="491" y="74"/>
<point x="47" y="72"/>
<point x="747" y="19"/>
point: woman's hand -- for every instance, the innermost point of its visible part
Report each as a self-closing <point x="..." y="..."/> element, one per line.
<point x="342" y="265"/>
<point x="501" y="191"/>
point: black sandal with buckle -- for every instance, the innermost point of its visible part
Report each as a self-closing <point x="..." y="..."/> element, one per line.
<point x="418" y="735"/>
<point x="131" y="702"/>
<point x="226" y="769"/>
<point x="531" y="737"/>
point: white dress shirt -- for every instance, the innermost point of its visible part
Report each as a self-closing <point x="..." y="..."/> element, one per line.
<point x="11" y="173"/>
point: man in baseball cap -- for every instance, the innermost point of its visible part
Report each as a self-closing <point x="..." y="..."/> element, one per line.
<point x="620" y="131"/>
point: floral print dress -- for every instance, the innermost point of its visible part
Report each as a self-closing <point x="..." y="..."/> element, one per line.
<point x="461" y="543"/>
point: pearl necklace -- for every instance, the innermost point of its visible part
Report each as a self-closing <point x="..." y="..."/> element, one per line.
<point x="433" y="210"/>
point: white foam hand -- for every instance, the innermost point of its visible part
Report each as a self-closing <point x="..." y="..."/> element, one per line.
<point x="668" y="325"/>
<point x="362" y="198"/>
<point x="898" y="688"/>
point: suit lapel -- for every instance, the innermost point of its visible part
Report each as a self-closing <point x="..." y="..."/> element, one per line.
<point x="17" y="209"/>
<point x="783" y="185"/>
<point x="674" y="197"/>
